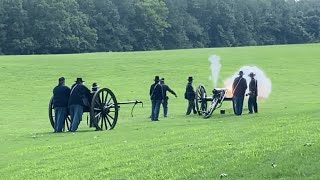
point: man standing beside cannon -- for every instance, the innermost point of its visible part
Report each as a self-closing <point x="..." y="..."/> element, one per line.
<point x="165" y="88"/>
<point x="239" y="87"/>
<point x="190" y="96"/>
<point x="61" y="95"/>
<point x="79" y="98"/>
<point x="253" y="93"/>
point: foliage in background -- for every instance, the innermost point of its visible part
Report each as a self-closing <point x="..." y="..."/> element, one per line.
<point x="73" y="26"/>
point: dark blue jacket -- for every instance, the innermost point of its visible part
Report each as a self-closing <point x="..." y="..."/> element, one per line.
<point x="78" y="93"/>
<point x="166" y="88"/>
<point x="151" y="89"/>
<point x="190" y="94"/>
<point x="239" y="87"/>
<point x="61" y="96"/>
<point x="156" y="92"/>
<point x="253" y="87"/>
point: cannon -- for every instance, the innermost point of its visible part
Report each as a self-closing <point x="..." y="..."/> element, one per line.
<point x="103" y="110"/>
<point x="215" y="101"/>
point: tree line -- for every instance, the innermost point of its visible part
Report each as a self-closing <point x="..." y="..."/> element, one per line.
<point x="74" y="26"/>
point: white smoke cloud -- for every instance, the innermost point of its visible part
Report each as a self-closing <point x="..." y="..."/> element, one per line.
<point x="264" y="83"/>
<point x="215" y="69"/>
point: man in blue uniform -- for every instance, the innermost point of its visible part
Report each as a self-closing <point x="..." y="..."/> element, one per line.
<point x="253" y="93"/>
<point x="190" y="96"/>
<point x="156" y="97"/>
<point x="94" y="89"/>
<point x="166" y="88"/>
<point x="79" y="97"/>
<point x="60" y="104"/>
<point x="239" y="87"/>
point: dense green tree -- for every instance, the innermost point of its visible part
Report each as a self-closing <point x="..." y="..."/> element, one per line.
<point x="127" y="13"/>
<point x="149" y="24"/>
<point x="73" y="26"/>
<point x="2" y="28"/>
<point x="184" y="30"/>
<point x="244" y="31"/>
<point x="223" y="24"/>
<point x="13" y="19"/>
<point x="106" y="22"/>
<point x="60" y="27"/>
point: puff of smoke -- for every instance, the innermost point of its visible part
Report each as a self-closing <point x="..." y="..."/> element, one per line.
<point x="215" y="67"/>
<point x="264" y="83"/>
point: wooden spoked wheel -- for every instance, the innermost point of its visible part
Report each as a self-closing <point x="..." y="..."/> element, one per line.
<point x="104" y="109"/>
<point x="67" y="121"/>
<point x="201" y="103"/>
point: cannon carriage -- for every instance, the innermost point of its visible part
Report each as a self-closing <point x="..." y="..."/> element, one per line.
<point x="103" y="110"/>
<point x="205" y="105"/>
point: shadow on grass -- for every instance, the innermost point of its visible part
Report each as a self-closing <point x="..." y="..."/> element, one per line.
<point x="212" y="117"/>
<point x="67" y="132"/>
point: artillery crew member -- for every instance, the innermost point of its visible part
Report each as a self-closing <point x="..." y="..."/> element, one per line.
<point x="95" y="87"/>
<point x="165" y="88"/>
<point x="253" y="93"/>
<point x="79" y="97"/>
<point x="156" y="81"/>
<point x="190" y="96"/>
<point x="156" y="97"/>
<point x="239" y="87"/>
<point x="60" y="104"/>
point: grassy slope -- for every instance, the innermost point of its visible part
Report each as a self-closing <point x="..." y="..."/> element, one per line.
<point x="178" y="147"/>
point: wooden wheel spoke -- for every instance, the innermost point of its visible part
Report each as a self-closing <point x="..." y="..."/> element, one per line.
<point x="110" y="117"/>
<point x="97" y="101"/>
<point x="110" y="106"/>
<point x="100" y="117"/>
<point x="97" y="118"/>
<point x="104" y="119"/>
<point x="68" y="126"/>
<point x="101" y="126"/>
<point x="105" y="99"/>
<point x="68" y="122"/>
<point x="101" y="98"/>
<point x="97" y="115"/>
<point x="109" y="101"/>
<point x="109" y="120"/>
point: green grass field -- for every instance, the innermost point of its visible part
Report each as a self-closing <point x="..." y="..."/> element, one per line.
<point x="284" y="133"/>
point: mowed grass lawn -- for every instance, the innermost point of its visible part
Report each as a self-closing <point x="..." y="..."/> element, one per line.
<point x="281" y="142"/>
